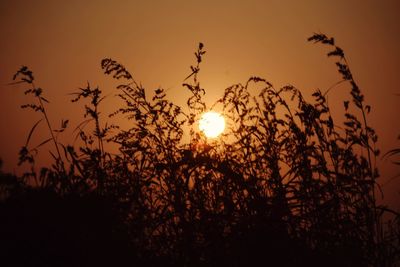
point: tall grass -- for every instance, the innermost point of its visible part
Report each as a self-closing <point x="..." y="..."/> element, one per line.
<point x="284" y="185"/>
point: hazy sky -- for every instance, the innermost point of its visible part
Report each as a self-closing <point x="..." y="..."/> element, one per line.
<point x="64" y="41"/>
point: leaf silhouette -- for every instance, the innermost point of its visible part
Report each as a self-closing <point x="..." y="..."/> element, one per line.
<point x="31" y="132"/>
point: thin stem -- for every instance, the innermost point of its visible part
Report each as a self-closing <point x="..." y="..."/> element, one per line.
<point x="49" y="125"/>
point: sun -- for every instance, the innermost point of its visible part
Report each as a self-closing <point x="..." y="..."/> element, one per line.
<point x="212" y="124"/>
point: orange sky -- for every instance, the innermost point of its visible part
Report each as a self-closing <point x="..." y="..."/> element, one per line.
<point x="64" y="41"/>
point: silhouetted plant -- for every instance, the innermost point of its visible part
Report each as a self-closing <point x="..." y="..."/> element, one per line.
<point x="284" y="184"/>
<point x="27" y="154"/>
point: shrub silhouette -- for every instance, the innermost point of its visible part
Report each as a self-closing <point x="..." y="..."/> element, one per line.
<point x="284" y="185"/>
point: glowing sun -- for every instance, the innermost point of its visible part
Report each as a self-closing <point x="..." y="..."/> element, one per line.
<point x="212" y="124"/>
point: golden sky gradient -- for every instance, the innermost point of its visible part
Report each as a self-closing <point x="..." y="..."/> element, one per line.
<point x="64" y="41"/>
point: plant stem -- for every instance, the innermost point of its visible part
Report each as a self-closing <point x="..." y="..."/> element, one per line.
<point x="49" y="126"/>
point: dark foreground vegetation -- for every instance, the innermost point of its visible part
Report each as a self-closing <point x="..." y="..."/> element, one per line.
<point x="284" y="186"/>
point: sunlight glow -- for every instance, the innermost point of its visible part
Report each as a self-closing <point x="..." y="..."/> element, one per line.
<point x="212" y="124"/>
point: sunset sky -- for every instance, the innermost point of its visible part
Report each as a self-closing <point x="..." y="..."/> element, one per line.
<point x="63" y="43"/>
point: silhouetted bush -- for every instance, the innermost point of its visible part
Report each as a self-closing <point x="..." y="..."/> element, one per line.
<point x="284" y="185"/>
